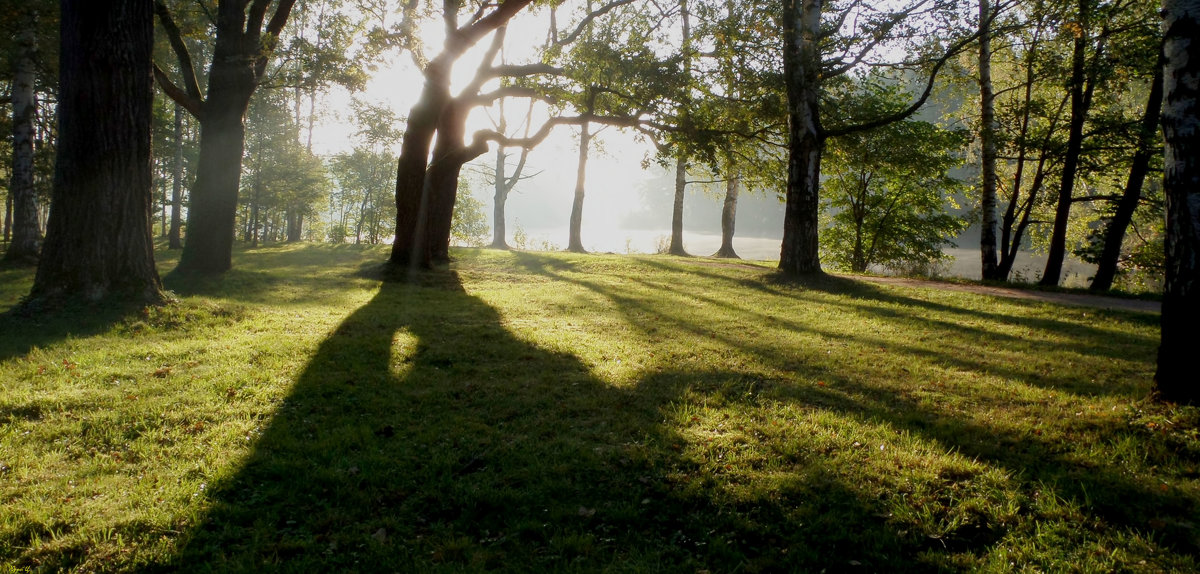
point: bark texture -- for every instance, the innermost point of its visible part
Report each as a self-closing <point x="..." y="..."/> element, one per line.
<point x="99" y="240"/>
<point x="26" y="233"/>
<point x="987" y="140"/>
<point x="1175" y="379"/>
<point x="802" y="62"/>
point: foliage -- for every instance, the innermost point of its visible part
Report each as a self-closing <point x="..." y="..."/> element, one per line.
<point x="362" y="206"/>
<point x="281" y="176"/>
<point x="888" y="189"/>
<point x="296" y="414"/>
<point x="469" y="224"/>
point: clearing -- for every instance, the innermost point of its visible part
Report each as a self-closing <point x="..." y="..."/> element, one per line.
<point x="555" y="412"/>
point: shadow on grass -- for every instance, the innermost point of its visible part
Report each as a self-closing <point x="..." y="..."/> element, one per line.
<point x="1089" y="338"/>
<point x="423" y="435"/>
<point x="278" y="274"/>
<point x="23" y="329"/>
<point x="1039" y="464"/>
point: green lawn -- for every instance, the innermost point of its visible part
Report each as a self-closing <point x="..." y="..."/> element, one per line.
<point x="580" y="413"/>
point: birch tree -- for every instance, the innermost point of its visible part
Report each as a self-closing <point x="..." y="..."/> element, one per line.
<point x="1175" y="379"/>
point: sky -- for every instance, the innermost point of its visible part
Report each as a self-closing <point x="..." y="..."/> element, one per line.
<point x="619" y="191"/>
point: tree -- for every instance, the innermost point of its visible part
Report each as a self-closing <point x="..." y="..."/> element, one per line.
<point x="681" y="157"/>
<point x="1082" y="88"/>
<point x="738" y="121"/>
<point x="282" y="181"/>
<point x="1146" y="147"/>
<point x="1175" y="379"/>
<point x="175" y="234"/>
<point x="26" y="231"/>
<point x="987" y="143"/>
<point x="888" y="189"/>
<point x="244" y="41"/>
<point x="504" y="182"/>
<point x="98" y="238"/>
<point x="413" y="196"/>
<point x="805" y="71"/>
<point x="1031" y="143"/>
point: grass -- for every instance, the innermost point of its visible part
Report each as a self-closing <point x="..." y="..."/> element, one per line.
<point x="553" y="412"/>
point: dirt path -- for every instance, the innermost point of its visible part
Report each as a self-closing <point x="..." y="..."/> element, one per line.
<point x="1098" y="301"/>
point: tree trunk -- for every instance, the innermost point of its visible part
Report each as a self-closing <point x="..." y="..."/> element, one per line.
<point x="295" y="225"/>
<point x="729" y="215"/>
<point x="677" y="209"/>
<point x="1175" y="379"/>
<point x="99" y="241"/>
<point x="412" y="198"/>
<point x="1010" y="236"/>
<point x="212" y="209"/>
<point x="174" y="237"/>
<point x="987" y="139"/>
<point x="239" y="59"/>
<point x="499" y="230"/>
<point x="676" y="246"/>
<point x="26" y="233"/>
<point x="362" y="215"/>
<point x="575" y="241"/>
<point x="1114" y="234"/>
<point x="801" y="31"/>
<point x="8" y="217"/>
<point x="254" y="223"/>
<point x="1062" y="212"/>
<point x="449" y="155"/>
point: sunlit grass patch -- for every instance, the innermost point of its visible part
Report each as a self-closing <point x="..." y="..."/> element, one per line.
<point x="532" y="412"/>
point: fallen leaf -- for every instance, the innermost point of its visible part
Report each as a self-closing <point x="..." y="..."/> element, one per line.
<point x="380" y="535"/>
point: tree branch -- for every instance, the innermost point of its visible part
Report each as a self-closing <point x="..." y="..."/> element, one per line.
<point x="186" y="68"/>
<point x="274" y="27"/>
<point x="513" y="70"/>
<point x="910" y="110"/>
<point x="509" y="92"/>
<point x="194" y="106"/>
<point x="579" y="29"/>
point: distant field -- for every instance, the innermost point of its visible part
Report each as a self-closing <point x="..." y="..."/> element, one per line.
<point x="547" y="412"/>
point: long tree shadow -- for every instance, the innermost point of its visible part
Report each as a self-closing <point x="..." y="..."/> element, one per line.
<point x="1040" y="465"/>
<point x="424" y="435"/>
<point x="25" y="328"/>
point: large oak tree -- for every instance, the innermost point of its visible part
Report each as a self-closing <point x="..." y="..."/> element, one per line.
<point x="245" y="40"/>
<point x="98" y="239"/>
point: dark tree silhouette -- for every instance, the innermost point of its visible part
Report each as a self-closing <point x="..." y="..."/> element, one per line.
<point x="98" y="239"/>
<point x="1176" y="376"/>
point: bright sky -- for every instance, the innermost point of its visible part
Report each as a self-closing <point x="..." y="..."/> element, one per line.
<point x="616" y="181"/>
